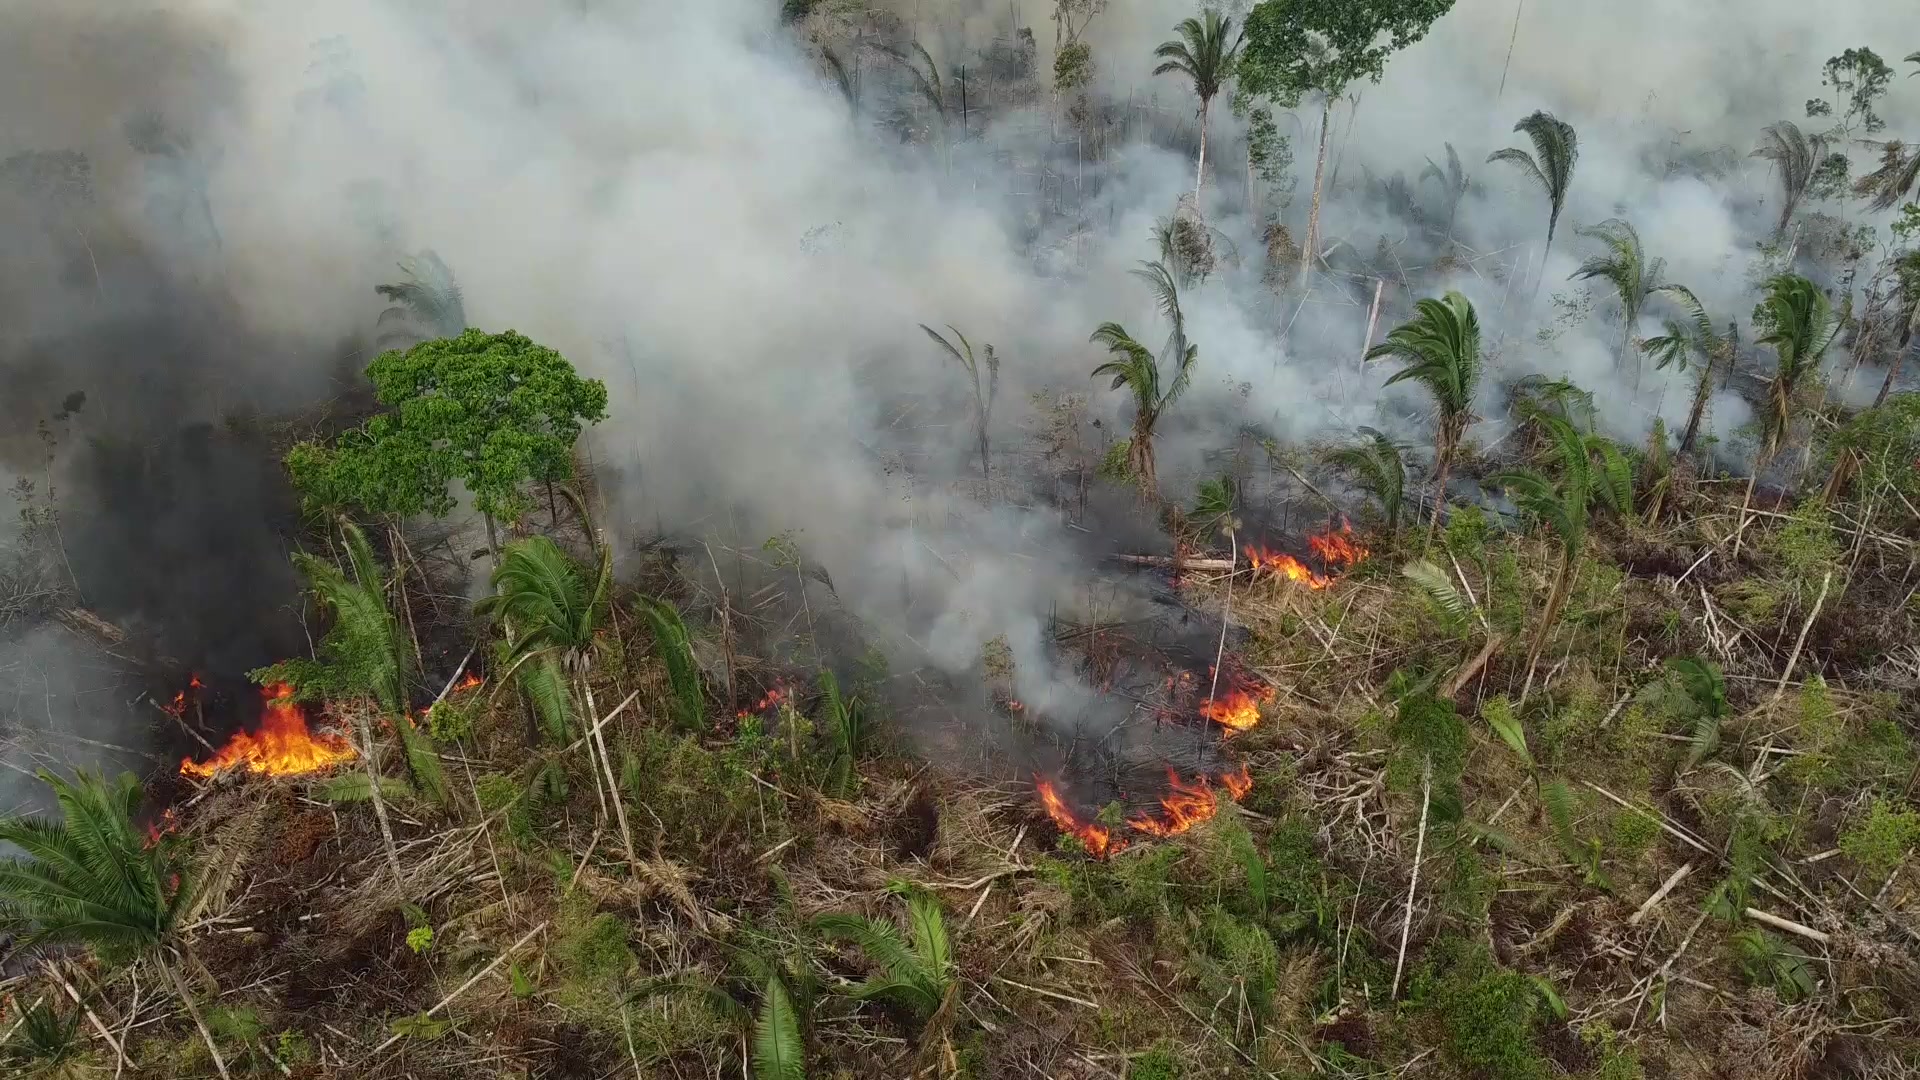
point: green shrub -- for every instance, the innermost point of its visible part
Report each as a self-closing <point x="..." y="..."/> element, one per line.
<point x="1159" y="1063"/>
<point x="1880" y="840"/>
<point x="1488" y="1013"/>
<point x="591" y="947"/>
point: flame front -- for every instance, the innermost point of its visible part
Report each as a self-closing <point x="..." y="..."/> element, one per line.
<point x="773" y="697"/>
<point x="1097" y="839"/>
<point x="1336" y="549"/>
<point x="283" y="746"/>
<point x="178" y="706"/>
<point x="469" y="681"/>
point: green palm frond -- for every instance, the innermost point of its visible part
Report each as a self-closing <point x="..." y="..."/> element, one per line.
<point x="1440" y="349"/>
<point x="841" y="720"/>
<point x="673" y="646"/>
<point x="1505" y="722"/>
<point x="1799" y="322"/>
<point x="778" y="1053"/>
<point x="926" y="74"/>
<point x="545" y="684"/>
<point x="1438" y="586"/>
<point x="1205" y="53"/>
<point x="1537" y="496"/>
<point x="930" y="943"/>
<point x="1556" y="150"/>
<point x="1624" y="265"/>
<point x="1216" y="501"/>
<point x="361" y="653"/>
<point x="1613" y="483"/>
<point x="917" y="976"/>
<point x="541" y="591"/>
<point x="355" y="787"/>
<point x="1796" y="155"/>
<point x="423" y="760"/>
<point x="1377" y="466"/>
<point x="47" y="1038"/>
<point x="1766" y="960"/>
<point x="1895" y="179"/>
<point x="1454" y="178"/>
<point x="427" y="289"/>
<point x="90" y="878"/>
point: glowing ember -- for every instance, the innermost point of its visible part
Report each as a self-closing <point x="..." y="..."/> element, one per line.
<point x="166" y="826"/>
<point x="178" y="706"/>
<point x="1097" y="839"/>
<point x="1237" y="710"/>
<point x="773" y="697"/>
<point x="283" y="746"/>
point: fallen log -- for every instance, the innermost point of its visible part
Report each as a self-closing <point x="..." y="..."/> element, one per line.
<point x="86" y="622"/>
<point x="1176" y="562"/>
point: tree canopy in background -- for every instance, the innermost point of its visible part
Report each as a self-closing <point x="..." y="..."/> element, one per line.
<point x="491" y="410"/>
<point x="1281" y="58"/>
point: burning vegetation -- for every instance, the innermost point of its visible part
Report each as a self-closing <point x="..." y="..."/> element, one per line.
<point x="283" y="744"/>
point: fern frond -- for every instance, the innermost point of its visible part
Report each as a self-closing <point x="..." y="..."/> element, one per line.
<point x="1438" y="586"/>
<point x="674" y="648"/>
<point x="778" y="1053"/>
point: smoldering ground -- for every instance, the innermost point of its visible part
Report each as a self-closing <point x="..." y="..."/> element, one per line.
<point x="680" y="200"/>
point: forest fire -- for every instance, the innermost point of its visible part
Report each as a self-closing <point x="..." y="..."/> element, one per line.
<point x="1097" y="839"/>
<point x="1189" y="804"/>
<point x="1237" y="710"/>
<point x="283" y="745"/>
<point x="178" y="706"/>
<point x="774" y="696"/>
<point x="1336" y="549"/>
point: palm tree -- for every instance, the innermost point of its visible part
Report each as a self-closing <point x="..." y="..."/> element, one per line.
<point x="551" y="614"/>
<point x="1899" y="171"/>
<point x="1137" y="369"/>
<point x="1204" y="55"/>
<point x="1688" y="339"/>
<point x="1440" y="349"/>
<point x="927" y="83"/>
<point x="1799" y="322"/>
<point x="1377" y="465"/>
<point x="1634" y="277"/>
<point x="982" y="398"/>
<point x="919" y="976"/>
<point x="1564" y="505"/>
<point x="92" y="879"/>
<point x="1908" y="319"/>
<point x="1556" y="149"/>
<point x="1454" y="181"/>
<point x="426" y="304"/>
<point x="1796" y="155"/>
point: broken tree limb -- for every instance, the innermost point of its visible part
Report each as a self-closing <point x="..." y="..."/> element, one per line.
<point x="93" y="1018"/>
<point x="468" y="985"/>
<point x="1175" y="562"/>
<point x="1660" y="894"/>
<point x="1788" y="925"/>
<point x="1473" y="667"/>
<point x="1801" y="641"/>
<point x="86" y="622"/>
<point x="1413" y="886"/>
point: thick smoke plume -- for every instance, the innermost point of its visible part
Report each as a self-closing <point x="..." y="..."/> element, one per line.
<point x="202" y="193"/>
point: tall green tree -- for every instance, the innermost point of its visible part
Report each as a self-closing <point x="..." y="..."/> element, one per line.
<point x="91" y="879"/>
<point x="1798" y="321"/>
<point x="1795" y="156"/>
<point x="1563" y="504"/>
<point x="1297" y="48"/>
<point x="1634" y="277"/>
<point x="494" y="411"/>
<point x="1439" y="348"/>
<point x="1556" y="150"/>
<point x="1205" y="52"/>
<point x="1378" y="466"/>
<point x="1136" y="368"/>
<point x="1690" y="339"/>
<point x="551" y="614"/>
<point x="983" y="395"/>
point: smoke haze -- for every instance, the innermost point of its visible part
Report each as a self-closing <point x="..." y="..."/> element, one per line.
<point x="677" y="198"/>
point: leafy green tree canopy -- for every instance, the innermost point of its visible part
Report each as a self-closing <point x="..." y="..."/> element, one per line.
<point x="492" y="410"/>
<point x="1295" y="47"/>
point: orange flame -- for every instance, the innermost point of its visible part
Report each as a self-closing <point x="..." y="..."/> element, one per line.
<point x="166" y="826"/>
<point x="283" y="746"/>
<point x="773" y="697"/>
<point x="1238" y="709"/>
<point x="470" y="681"/>
<point x="1097" y="839"/>
<point x="1190" y="803"/>
<point x="1336" y="549"/>
<point x="178" y="706"/>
